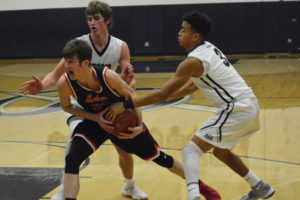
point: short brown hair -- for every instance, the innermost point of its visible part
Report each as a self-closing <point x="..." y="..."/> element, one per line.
<point x="78" y="48"/>
<point x="101" y="7"/>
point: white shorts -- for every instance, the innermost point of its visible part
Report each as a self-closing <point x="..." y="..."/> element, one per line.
<point x="231" y="123"/>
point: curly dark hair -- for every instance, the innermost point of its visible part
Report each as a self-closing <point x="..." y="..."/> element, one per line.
<point x="199" y="22"/>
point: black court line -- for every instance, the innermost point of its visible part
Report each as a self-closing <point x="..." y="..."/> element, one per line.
<point x="85" y="164"/>
<point x="165" y="148"/>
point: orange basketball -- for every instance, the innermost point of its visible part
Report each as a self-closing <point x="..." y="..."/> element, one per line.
<point x="125" y="120"/>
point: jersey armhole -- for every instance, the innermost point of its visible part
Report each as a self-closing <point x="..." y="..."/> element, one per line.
<point x="205" y="66"/>
<point x="70" y="86"/>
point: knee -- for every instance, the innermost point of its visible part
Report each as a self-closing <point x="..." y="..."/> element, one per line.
<point x="191" y="148"/>
<point x="164" y="160"/>
<point x="72" y="164"/>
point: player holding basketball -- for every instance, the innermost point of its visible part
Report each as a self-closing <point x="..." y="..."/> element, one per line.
<point x="236" y="118"/>
<point x="95" y="89"/>
<point x="106" y="51"/>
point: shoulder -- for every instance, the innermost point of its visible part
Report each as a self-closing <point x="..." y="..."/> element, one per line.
<point x="192" y="66"/>
<point x="62" y="81"/>
<point x="109" y="75"/>
<point x="118" y="41"/>
<point x="190" y="62"/>
<point x="115" y="39"/>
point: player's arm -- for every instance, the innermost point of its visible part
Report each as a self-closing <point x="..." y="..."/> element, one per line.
<point x="64" y="95"/>
<point x="35" y="86"/>
<point x="120" y="87"/>
<point x="186" y="69"/>
<point x="187" y="89"/>
<point x="123" y="89"/>
<point x="127" y="72"/>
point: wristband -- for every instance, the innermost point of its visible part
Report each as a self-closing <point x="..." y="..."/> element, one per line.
<point x="128" y="104"/>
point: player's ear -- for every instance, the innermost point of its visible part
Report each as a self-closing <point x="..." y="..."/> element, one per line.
<point x="108" y="21"/>
<point x="197" y="37"/>
<point x="86" y="63"/>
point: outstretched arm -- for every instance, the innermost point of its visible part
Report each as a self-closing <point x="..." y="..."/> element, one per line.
<point x="187" y="89"/>
<point x="35" y="86"/>
<point x="186" y="69"/>
<point x="123" y="89"/>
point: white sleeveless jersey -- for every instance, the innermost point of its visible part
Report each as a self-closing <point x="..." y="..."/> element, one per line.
<point x="220" y="82"/>
<point x="109" y="56"/>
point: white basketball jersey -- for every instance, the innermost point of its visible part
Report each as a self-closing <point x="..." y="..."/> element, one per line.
<point x="220" y="83"/>
<point x="109" y="56"/>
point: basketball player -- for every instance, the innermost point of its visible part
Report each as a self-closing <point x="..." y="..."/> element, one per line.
<point x="106" y="51"/>
<point x="237" y="116"/>
<point x="95" y="89"/>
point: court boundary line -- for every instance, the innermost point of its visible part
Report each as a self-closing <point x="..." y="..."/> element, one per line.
<point x="165" y="148"/>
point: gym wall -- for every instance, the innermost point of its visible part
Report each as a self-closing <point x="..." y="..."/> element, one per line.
<point x="238" y="27"/>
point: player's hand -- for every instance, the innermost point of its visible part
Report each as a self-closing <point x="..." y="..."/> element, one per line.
<point x="34" y="86"/>
<point x="134" y="131"/>
<point x="127" y="74"/>
<point x="114" y="110"/>
<point x="103" y="123"/>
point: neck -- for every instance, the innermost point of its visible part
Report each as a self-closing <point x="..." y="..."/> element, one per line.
<point x="86" y="78"/>
<point x="192" y="47"/>
<point x="100" y="39"/>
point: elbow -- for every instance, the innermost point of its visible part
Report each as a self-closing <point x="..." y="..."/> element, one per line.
<point x="66" y="108"/>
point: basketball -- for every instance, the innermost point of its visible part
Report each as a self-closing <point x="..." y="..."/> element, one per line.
<point x="125" y="120"/>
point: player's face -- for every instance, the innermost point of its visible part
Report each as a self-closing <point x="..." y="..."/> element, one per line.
<point x="185" y="35"/>
<point x="73" y="67"/>
<point x="96" y="23"/>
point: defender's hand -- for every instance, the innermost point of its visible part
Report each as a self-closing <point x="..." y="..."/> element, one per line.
<point x="128" y="74"/>
<point x="34" y="86"/>
<point x="103" y="123"/>
<point x="114" y="110"/>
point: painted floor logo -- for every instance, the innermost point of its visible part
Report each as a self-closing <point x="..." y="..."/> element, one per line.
<point x="51" y="103"/>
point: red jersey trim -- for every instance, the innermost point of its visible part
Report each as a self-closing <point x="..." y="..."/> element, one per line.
<point x="70" y="86"/>
<point x="155" y="155"/>
<point x="107" y="84"/>
<point x="90" y="142"/>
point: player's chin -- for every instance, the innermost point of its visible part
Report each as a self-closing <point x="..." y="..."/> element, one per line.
<point x="180" y="43"/>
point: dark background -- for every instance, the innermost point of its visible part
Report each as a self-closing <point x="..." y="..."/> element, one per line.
<point x="238" y="28"/>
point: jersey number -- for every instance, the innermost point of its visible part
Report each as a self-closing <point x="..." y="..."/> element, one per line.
<point x="222" y="57"/>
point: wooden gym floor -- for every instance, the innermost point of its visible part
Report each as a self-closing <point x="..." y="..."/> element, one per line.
<point x="34" y="133"/>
